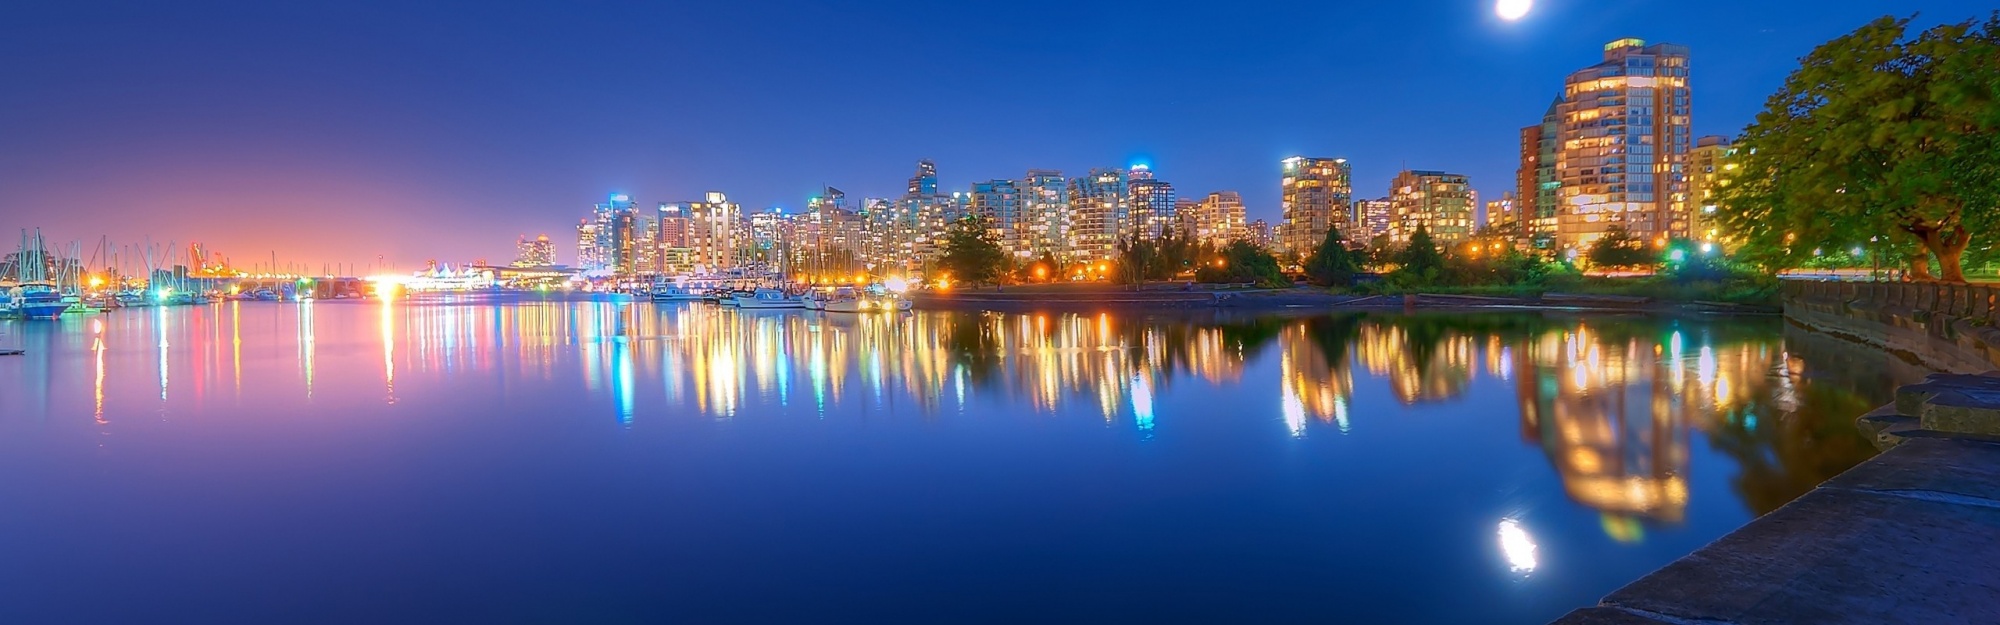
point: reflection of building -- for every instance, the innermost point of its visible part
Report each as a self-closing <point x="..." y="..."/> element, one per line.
<point x="1316" y="195"/>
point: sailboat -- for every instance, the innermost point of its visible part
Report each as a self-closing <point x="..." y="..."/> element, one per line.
<point x="33" y="295"/>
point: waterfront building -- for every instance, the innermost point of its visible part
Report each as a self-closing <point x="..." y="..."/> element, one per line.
<point x="1045" y="206"/>
<point x="1100" y="205"/>
<point x="1260" y="233"/>
<point x="1709" y="167"/>
<point x="589" y="257"/>
<point x="1316" y="194"/>
<point x="1537" y="186"/>
<point x="613" y="236"/>
<point x="1000" y="203"/>
<point x="1152" y="204"/>
<point x="1438" y="201"/>
<point x="1218" y="218"/>
<point x="713" y="233"/>
<point x="1373" y="218"/>
<point x="1503" y="218"/>
<point x="924" y="183"/>
<point x="536" y="252"/>
<point x="1623" y="145"/>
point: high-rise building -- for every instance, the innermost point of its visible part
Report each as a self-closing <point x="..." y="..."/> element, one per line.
<point x="1259" y="233"/>
<point x="1503" y="217"/>
<point x="924" y="183"/>
<point x="1000" y="203"/>
<point x="1623" y="144"/>
<point x="1374" y="218"/>
<point x="537" y="252"/>
<point x="1438" y="201"/>
<point x="589" y="255"/>
<point x="1045" y="206"/>
<point x="1099" y="207"/>
<point x="1537" y="186"/>
<point x="1317" y="194"/>
<point x="1710" y="165"/>
<point x="1219" y="219"/>
<point x="713" y="232"/>
<point x="1153" y="204"/>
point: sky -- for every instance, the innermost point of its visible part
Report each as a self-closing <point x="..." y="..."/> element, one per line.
<point x="352" y="131"/>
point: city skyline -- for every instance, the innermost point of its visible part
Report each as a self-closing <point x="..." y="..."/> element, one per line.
<point x="434" y="133"/>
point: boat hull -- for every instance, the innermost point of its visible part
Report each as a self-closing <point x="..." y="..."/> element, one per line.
<point x="34" y="310"/>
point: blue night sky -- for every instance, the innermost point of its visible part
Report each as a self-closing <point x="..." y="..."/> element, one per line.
<point x="337" y="132"/>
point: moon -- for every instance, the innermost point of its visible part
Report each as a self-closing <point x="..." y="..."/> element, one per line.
<point x="1512" y="10"/>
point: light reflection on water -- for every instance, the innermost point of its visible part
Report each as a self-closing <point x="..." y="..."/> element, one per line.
<point x="1603" y="446"/>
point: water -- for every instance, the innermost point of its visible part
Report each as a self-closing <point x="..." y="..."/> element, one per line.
<point x="517" y="462"/>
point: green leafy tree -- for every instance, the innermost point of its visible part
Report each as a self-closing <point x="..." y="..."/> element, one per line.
<point x="1332" y="264"/>
<point x="972" y="252"/>
<point x="1878" y="133"/>
<point x="1620" y="248"/>
<point x="1419" y="262"/>
<point x="1243" y="261"/>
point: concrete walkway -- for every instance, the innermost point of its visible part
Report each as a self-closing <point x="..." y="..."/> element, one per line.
<point x="1911" y="536"/>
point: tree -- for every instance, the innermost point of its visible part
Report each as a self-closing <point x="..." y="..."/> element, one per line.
<point x="1620" y="248"/>
<point x="971" y="251"/>
<point x="1243" y="261"/>
<point x="1332" y="264"/>
<point x="1876" y="135"/>
<point x="1419" y="262"/>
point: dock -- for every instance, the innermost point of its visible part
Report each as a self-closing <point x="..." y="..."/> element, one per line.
<point x="12" y="352"/>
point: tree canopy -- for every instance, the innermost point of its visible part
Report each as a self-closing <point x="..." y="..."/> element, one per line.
<point x="1879" y="139"/>
<point x="971" y="251"/>
<point x="1620" y="248"/>
<point x="1332" y="264"/>
<point x="1243" y="261"/>
<point x="1419" y="262"/>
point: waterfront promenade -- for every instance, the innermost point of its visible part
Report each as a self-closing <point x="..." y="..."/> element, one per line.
<point x="1907" y="537"/>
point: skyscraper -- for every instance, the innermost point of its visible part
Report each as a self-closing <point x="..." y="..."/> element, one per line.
<point x="537" y="252"/>
<point x="924" y="183"/>
<point x="999" y="202"/>
<point x="1099" y="207"/>
<point x="1439" y="202"/>
<point x="712" y="232"/>
<point x="1316" y="195"/>
<point x="1622" y="149"/>
<point x="1045" y="204"/>
<point x="1709" y="168"/>
<point x="1503" y="217"/>
<point x="1537" y="187"/>
<point x="589" y="256"/>
<point x="1153" y="202"/>
<point x="1219" y="219"/>
<point x="611" y="236"/>
<point x="1374" y="218"/>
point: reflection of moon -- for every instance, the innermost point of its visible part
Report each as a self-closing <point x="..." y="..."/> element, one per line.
<point x="1511" y="10"/>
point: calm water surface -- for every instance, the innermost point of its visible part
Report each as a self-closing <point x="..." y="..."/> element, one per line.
<point x="526" y="462"/>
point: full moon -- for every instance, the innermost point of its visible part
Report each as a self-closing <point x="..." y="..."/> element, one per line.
<point x="1511" y="10"/>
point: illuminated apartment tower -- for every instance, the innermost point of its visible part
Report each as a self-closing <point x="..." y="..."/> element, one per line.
<point x="1152" y="205"/>
<point x="1000" y="203"/>
<point x="924" y="183"/>
<point x="1440" y="202"/>
<point x="675" y="255"/>
<point x="1219" y="219"/>
<point x="1045" y="207"/>
<point x="1622" y="157"/>
<point x="539" y="252"/>
<point x="1537" y="188"/>
<point x="712" y="232"/>
<point x="589" y="257"/>
<point x="1709" y="168"/>
<point x="1373" y="218"/>
<point x="1317" y="194"/>
<point x="1503" y="217"/>
<point x="1099" y="207"/>
<point x="1259" y="233"/>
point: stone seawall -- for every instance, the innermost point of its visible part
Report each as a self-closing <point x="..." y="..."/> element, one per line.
<point x="1947" y="327"/>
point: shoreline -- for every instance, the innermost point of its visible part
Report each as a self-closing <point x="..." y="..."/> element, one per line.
<point x="1300" y="299"/>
